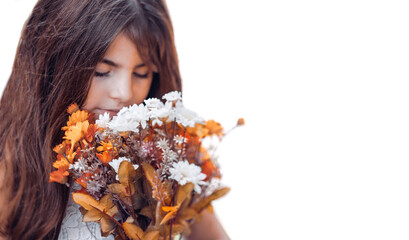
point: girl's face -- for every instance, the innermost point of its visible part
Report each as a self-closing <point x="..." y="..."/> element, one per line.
<point x="121" y="79"/>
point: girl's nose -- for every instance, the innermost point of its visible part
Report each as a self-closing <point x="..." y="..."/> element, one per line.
<point x="121" y="89"/>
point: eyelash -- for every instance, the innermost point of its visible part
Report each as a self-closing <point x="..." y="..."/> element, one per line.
<point x="105" y="74"/>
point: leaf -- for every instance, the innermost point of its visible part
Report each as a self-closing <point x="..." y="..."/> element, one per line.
<point x="126" y="173"/>
<point x="187" y="214"/>
<point x="132" y="231"/>
<point x="150" y="173"/>
<point x="160" y="191"/>
<point x="146" y="211"/>
<point x="107" y="226"/>
<point x="183" y="192"/>
<point x="116" y="188"/>
<point x="98" y="211"/>
<point x="105" y="204"/>
<point x="177" y="228"/>
<point x="152" y="235"/>
<point x="92" y="215"/>
<point x="170" y="215"/>
<point x="84" y="200"/>
<point x="204" y="202"/>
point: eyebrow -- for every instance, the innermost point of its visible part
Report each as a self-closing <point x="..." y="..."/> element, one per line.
<point x="111" y="63"/>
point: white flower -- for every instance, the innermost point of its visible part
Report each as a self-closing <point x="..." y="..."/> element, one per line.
<point x="214" y="185"/>
<point x="153" y="103"/>
<point x="116" y="162"/>
<point x="129" y="119"/>
<point x="163" y="144"/>
<point x="80" y="166"/>
<point x="156" y="121"/>
<point x="172" y="96"/>
<point x="187" y="117"/>
<point x="103" y="120"/>
<point x="179" y="139"/>
<point x="139" y="114"/>
<point x="169" y="155"/>
<point x="183" y="172"/>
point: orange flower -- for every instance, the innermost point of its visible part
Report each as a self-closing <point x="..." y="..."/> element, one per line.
<point x="76" y="133"/>
<point x="240" y="122"/>
<point x="199" y="130"/>
<point x="76" y="117"/>
<point x="61" y="162"/>
<point x="73" y="108"/>
<point x="91" y="132"/>
<point x="59" y="176"/>
<point x="59" y="149"/>
<point x="105" y="157"/>
<point x="105" y="147"/>
<point x="214" y="128"/>
<point x="210" y="169"/>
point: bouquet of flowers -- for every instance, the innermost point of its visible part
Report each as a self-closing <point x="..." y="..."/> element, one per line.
<point x="144" y="174"/>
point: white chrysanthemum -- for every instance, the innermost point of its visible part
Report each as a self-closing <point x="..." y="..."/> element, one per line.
<point x="129" y="119"/>
<point x="122" y="122"/>
<point x="186" y="117"/>
<point x="183" y="172"/>
<point x="153" y="103"/>
<point x="103" y="120"/>
<point x="116" y="162"/>
<point x="172" y="96"/>
<point x="139" y="114"/>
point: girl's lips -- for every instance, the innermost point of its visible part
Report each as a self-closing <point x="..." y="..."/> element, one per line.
<point x="111" y="112"/>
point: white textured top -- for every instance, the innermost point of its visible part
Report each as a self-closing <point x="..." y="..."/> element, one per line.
<point x="74" y="229"/>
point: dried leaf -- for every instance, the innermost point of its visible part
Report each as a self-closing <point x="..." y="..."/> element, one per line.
<point x="126" y="173"/>
<point x="116" y="188"/>
<point x="187" y="214"/>
<point x="150" y="174"/>
<point x="132" y="231"/>
<point x="177" y="229"/>
<point x="160" y="191"/>
<point x="107" y="226"/>
<point x="153" y="235"/>
<point x="183" y="192"/>
<point x="203" y="203"/>
<point x="92" y="215"/>
<point x="146" y="211"/>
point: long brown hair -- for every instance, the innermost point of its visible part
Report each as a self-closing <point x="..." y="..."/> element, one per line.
<point x="61" y="43"/>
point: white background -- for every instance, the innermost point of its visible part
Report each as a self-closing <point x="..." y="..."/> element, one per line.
<point x="323" y="88"/>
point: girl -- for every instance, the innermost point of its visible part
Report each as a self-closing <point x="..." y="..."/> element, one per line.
<point x="101" y="54"/>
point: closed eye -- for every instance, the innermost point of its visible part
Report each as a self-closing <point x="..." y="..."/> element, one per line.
<point x="102" y="74"/>
<point x="141" y="75"/>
